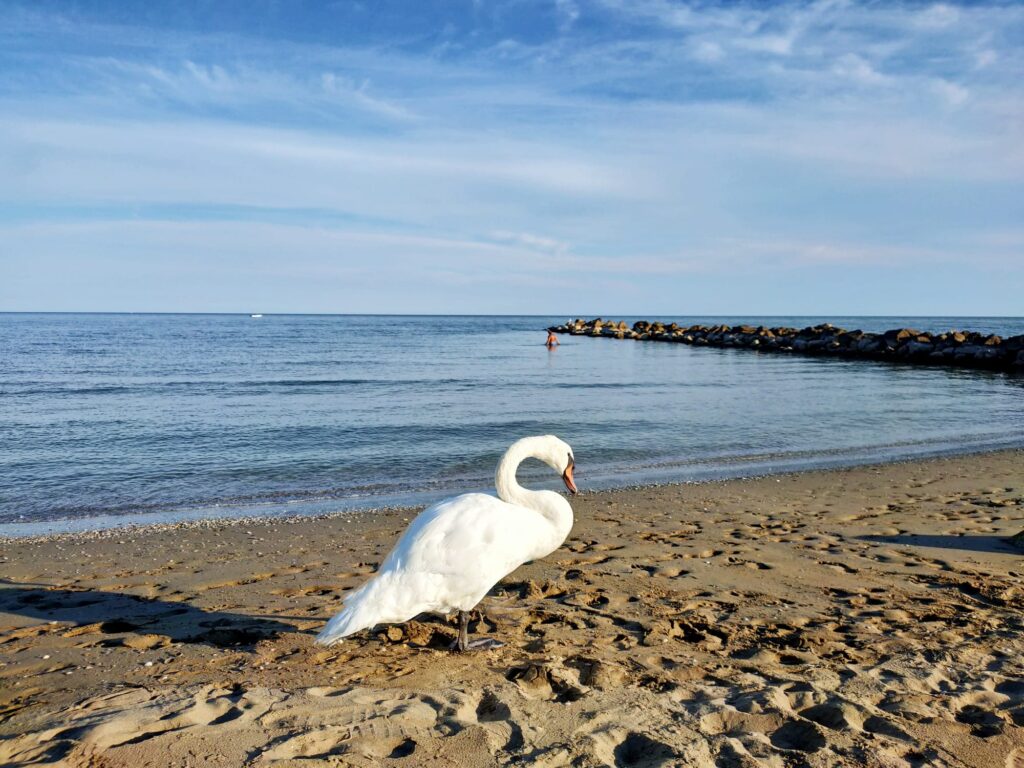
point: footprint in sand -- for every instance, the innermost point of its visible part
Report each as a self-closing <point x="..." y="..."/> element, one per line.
<point x="624" y="748"/>
<point x="839" y="567"/>
<point x="131" y="717"/>
<point x="375" y="724"/>
<point x="537" y="681"/>
<point x="837" y="715"/>
<point x="751" y="564"/>
<point x="799" y="736"/>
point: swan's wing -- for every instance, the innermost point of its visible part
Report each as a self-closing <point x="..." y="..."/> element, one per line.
<point x="470" y="534"/>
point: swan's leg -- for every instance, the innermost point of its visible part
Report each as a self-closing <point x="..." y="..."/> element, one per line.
<point x="463" y="641"/>
<point x="465" y="644"/>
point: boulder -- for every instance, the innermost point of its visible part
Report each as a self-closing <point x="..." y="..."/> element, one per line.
<point x="968" y="351"/>
<point x="1014" y="343"/>
<point x="900" y="334"/>
<point x="870" y="344"/>
<point x="918" y="347"/>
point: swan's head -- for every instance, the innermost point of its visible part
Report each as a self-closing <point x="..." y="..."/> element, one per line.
<point x="557" y="454"/>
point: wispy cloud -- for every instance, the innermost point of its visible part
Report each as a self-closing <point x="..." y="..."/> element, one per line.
<point x="677" y="138"/>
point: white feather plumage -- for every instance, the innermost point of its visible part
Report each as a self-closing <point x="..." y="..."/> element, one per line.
<point x="455" y="551"/>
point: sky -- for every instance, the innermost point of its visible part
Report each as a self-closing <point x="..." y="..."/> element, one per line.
<point x="602" y="157"/>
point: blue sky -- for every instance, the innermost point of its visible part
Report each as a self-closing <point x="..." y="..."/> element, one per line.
<point x="606" y="157"/>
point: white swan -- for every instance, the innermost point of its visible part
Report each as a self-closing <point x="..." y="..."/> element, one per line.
<point x="455" y="551"/>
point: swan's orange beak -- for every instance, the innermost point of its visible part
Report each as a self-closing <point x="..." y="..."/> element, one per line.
<point x="567" y="478"/>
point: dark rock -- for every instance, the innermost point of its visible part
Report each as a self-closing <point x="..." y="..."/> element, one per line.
<point x="1014" y="343"/>
<point x="918" y="347"/>
<point x="900" y="334"/>
<point x="870" y="344"/>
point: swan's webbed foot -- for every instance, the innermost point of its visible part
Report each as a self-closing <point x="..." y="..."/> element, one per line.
<point x="462" y="643"/>
<point x="480" y="644"/>
<point x="483" y="644"/>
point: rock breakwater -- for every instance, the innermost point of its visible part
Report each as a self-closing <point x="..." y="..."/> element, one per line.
<point x="965" y="349"/>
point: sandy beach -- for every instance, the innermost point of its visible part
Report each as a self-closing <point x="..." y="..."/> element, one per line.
<point x="869" y="616"/>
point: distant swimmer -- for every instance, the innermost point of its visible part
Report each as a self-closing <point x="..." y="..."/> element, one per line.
<point x="552" y="342"/>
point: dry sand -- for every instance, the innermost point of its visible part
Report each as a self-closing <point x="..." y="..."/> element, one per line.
<point x="862" y="617"/>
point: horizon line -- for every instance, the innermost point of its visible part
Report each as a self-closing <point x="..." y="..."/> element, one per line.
<point x="481" y="314"/>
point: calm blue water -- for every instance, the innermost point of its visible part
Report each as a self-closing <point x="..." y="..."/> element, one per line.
<point x="112" y="418"/>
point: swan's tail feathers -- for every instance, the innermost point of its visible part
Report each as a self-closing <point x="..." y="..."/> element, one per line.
<point x="357" y="614"/>
<point x="345" y="623"/>
<point x="382" y="600"/>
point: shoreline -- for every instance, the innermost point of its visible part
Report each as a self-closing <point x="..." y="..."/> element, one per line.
<point x="860" y="616"/>
<point x="129" y="522"/>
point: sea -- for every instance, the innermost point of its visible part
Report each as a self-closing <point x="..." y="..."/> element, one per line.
<point x="109" y="420"/>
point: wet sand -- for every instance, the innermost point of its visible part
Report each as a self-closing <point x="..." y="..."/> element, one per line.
<point x="870" y="616"/>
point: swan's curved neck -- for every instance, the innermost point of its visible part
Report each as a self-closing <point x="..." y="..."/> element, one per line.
<point x="552" y="506"/>
<point x="505" y="482"/>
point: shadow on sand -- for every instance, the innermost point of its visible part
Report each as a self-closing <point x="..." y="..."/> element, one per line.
<point x="966" y="543"/>
<point x="117" y="613"/>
